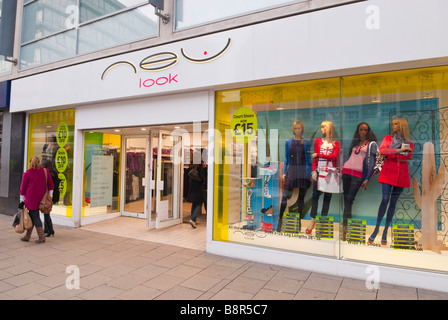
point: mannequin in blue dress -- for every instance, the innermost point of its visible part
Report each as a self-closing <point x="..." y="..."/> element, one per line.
<point x="296" y="170"/>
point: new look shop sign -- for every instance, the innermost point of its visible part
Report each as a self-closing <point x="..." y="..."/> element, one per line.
<point x="167" y="68"/>
<point x="163" y="61"/>
<point x="193" y="64"/>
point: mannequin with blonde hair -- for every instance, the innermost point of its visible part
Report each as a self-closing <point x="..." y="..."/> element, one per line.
<point x="296" y="170"/>
<point x="326" y="153"/>
<point x="394" y="174"/>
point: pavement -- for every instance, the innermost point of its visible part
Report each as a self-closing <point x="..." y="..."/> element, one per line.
<point x="84" y="264"/>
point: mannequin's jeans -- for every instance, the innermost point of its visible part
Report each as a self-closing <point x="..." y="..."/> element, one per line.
<point x="315" y="202"/>
<point x="351" y="185"/>
<point x="390" y="196"/>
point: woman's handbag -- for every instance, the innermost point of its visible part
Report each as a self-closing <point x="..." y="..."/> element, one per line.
<point x="24" y="221"/>
<point x="46" y="204"/>
<point x="328" y="180"/>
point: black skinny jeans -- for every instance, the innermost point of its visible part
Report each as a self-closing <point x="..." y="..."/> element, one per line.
<point x="34" y="214"/>
<point x="351" y="185"/>
<point x="315" y="202"/>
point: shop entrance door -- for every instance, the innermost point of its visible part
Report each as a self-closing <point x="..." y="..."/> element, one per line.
<point x="135" y="176"/>
<point x="165" y="179"/>
<point x="152" y="179"/>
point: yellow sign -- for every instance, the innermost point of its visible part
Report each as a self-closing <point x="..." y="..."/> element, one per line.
<point x="62" y="134"/>
<point x="61" y="160"/>
<point x="62" y="185"/>
<point x="244" y="124"/>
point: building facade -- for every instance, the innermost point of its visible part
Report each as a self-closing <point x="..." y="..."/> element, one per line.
<point x="123" y="101"/>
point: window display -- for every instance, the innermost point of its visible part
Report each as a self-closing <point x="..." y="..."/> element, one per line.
<point x="50" y="137"/>
<point x="296" y="173"/>
<point x="102" y="173"/>
<point x="397" y="150"/>
<point x="325" y="166"/>
<point x="358" y="169"/>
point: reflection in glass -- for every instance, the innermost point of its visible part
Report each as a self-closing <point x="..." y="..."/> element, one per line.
<point x="93" y="9"/>
<point x="195" y="12"/>
<point x="123" y="28"/>
<point x="43" y="18"/>
<point x="58" y="47"/>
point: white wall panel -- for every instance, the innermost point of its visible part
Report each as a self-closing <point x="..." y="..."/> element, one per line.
<point x="320" y="41"/>
<point x="175" y="108"/>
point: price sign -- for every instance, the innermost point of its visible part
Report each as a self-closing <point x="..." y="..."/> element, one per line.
<point x="61" y="160"/>
<point x="62" y="134"/>
<point x="62" y="185"/>
<point x="244" y="124"/>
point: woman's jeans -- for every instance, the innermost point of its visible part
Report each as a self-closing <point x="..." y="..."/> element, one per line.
<point x="390" y="195"/>
<point x="351" y="185"/>
<point x="195" y="209"/>
<point x="35" y="217"/>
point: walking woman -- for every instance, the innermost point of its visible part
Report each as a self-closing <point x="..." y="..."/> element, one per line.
<point x="297" y="169"/>
<point x="48" y="223"/>
<point x="32" y="190"/>
<point x="358" y="169"/>
<point x="394" y="175"/>
<point x="196" y="190"/>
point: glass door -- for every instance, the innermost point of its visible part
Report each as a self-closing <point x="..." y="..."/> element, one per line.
<point x="135" y="176"/>
<point x="167" y="179"/>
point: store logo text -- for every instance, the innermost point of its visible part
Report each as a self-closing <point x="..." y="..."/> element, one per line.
<point x="162" y="61"/>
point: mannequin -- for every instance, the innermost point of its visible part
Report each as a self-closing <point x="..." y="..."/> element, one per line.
<point x="296" y="170"/>
<point x="394" y="175"/>
<point x="326" y="152"/>
<point x="358" y="169"/>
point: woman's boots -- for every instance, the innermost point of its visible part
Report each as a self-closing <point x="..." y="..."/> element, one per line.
<point x="40" y="233"/>
<point x="27" y="236"/>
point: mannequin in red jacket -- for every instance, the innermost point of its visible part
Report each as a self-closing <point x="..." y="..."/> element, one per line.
<point x="326" y="153"/>
<point x="394" y="175"/>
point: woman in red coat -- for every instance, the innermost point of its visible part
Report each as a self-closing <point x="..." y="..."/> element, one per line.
<point x="32" y="190"/>
<point x="395" y="172"/>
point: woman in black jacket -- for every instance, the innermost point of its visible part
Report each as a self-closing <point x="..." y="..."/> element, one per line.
<point x="196" y="191"/>
<point x="48" y="223"/>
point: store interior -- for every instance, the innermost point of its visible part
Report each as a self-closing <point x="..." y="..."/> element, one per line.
<point x="130" y="185"/>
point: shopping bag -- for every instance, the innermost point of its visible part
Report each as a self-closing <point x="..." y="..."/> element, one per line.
<point x="18" y="222"/>
<point x="27" y="222"/>
<point x="22" y="221"/>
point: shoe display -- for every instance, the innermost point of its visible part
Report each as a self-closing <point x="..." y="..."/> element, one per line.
<point x="269" y="210"/>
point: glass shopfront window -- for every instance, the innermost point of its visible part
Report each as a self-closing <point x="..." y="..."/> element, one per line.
<point x="50" y="138"/>
<point x="56" y="30"/>
<point x="101" y="173"/>
<point x="296" y="167"/>
<point x="191" y="13"/>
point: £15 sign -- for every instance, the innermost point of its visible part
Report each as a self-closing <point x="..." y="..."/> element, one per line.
<point x="162" y="61"/>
